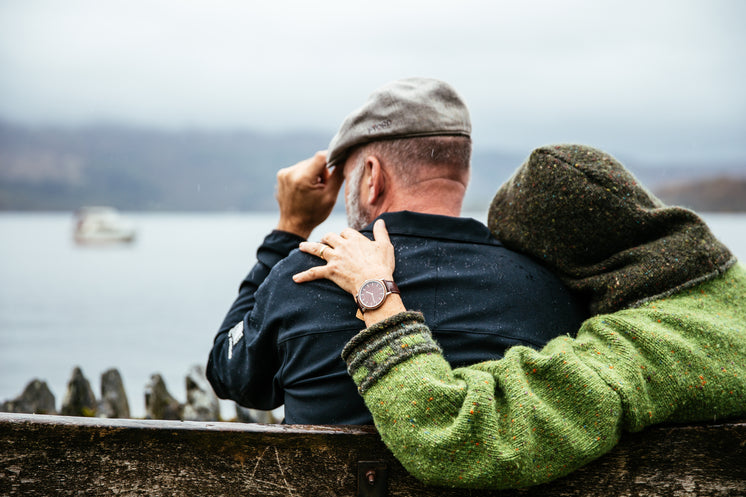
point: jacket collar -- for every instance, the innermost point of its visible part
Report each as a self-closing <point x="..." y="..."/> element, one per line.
<point x="461" y="229"/>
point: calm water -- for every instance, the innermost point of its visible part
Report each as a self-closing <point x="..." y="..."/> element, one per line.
<point x="153" y="306"/>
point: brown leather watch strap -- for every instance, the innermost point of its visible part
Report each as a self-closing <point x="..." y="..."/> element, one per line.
<point x="391" y="286"/>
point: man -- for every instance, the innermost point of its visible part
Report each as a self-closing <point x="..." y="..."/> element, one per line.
<point x="405" y="156"/>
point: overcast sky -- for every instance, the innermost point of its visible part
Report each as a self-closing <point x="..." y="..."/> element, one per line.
<point x="658" y="79"/>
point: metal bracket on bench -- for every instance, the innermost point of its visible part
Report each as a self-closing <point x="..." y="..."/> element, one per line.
<point x="372" y="479"/>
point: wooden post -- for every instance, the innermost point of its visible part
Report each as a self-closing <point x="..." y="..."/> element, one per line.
<point x="56" y="455"/>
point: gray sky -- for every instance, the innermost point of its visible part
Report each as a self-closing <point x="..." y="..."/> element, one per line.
<point x="659" y="79"/>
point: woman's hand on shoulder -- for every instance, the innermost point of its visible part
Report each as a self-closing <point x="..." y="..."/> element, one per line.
<point x="351" y="258"/>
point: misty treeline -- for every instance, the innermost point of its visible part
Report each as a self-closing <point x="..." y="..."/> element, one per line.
<point x="143" y="169"/>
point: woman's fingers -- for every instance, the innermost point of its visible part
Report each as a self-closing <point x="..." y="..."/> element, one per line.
<point x="317" y="272"/>
<point x="349" y="233"/>
<point x="381" y="237"/>
<point x="315" y="248"/>
<point x="380" y="233"/>
<point x="336" y="271"/>
<point x="314" y="273"/>
<point x="332" y="239"/>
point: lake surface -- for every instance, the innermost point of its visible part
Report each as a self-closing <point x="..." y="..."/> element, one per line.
<point x="150" y="307"/>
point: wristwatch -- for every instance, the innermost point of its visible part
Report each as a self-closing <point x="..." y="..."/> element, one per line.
<point x="373" y="293"/>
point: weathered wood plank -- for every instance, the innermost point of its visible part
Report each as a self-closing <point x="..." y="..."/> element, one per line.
<point x="55" y="455"/>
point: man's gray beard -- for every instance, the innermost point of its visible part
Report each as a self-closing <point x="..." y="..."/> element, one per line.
<point x="357" y="218"/>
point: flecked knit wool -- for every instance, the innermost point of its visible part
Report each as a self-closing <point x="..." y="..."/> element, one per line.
<point x="670" y="347"/>
<point x="578" y="210"/>
<point x="374" y="351"/>
<point x="534" y="416"/>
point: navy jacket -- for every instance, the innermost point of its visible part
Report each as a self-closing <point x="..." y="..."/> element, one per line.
<point x="280" y="343"/>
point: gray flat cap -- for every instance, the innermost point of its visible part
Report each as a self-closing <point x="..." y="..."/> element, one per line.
<point x="402" y="109"/>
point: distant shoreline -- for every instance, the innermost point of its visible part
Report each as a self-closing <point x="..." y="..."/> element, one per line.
<point x="145" y="170"/>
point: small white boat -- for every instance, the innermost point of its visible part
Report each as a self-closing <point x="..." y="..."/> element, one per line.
<point x="102" y="225"/>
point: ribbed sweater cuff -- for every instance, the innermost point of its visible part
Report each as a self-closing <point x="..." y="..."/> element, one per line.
<point x="374" y="351"/>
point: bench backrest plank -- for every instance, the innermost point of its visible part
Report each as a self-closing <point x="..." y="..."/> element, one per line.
<point x="45" y="455"/>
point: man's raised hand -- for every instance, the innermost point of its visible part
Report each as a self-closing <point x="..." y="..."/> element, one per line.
<point x="306" y="193"/>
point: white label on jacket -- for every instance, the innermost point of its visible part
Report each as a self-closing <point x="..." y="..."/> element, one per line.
<point x="234" y="335"/>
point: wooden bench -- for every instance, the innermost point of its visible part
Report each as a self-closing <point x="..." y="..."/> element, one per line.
<point x="56" y="455"/>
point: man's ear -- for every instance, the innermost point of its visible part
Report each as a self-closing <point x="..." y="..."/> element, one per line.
<point x="376" y="183"/>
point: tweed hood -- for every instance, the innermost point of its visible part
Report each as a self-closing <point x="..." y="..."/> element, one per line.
<point x="581" y="213"/>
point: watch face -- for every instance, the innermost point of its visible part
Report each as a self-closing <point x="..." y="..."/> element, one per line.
<point x="371" y="294"/>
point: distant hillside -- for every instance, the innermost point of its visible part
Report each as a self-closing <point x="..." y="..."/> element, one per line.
<point x="722" y="194"/>
<point x="718" y="187"/>
<point x="145" y="169"/>
<point x="135" y="169"/>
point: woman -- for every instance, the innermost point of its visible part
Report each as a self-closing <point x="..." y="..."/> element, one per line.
<point x="666" y="341"/>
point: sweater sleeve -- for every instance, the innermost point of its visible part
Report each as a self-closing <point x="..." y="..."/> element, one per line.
<point x="534" y="416"/>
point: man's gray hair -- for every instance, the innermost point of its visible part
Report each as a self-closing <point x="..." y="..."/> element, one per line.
<point x="409" y="158"/>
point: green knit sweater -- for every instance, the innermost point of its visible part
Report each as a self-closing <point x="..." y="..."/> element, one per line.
<point x="534" y="416"/>
<point x="667" y="342"/>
